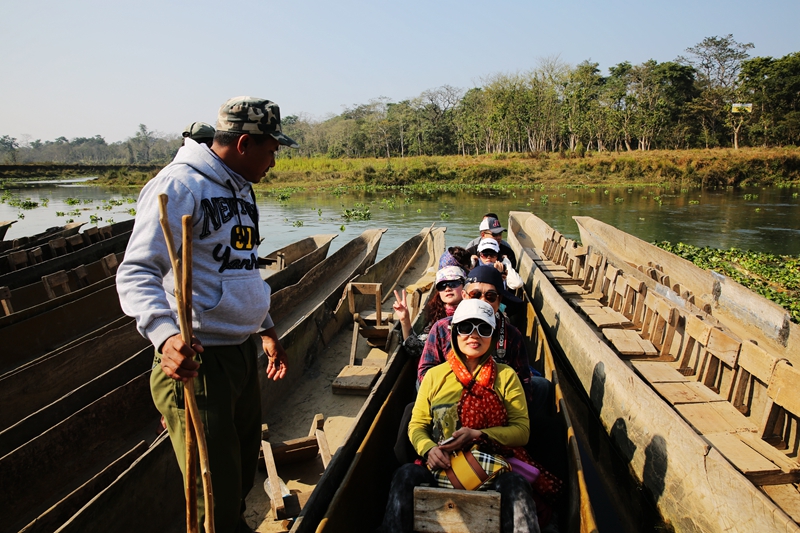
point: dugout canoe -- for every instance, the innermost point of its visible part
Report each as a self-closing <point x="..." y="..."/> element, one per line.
<point x="283" y="268"/>
<point x="60" y="288"/>
<point x="303" y="255"/>
<point x="29" y="241"/>
<point x="693" y="485"/>
<point x="57" y="245"/>
<point x="116" y="243"/>
<point x="361" y="498"/>
<point x="734" y="305"/>
<point x="155" y="475"/>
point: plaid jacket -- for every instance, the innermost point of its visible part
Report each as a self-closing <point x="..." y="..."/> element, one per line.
<point x="516" y="356"/>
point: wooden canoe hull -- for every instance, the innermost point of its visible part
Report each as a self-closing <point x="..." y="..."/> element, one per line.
<point x="302" y="312"/>
<point x="40" y="385"/>
<point x="734" y="305"/>
<point x="46" y="332"/>
<point x="694" y="487"/>
<point x="43" y="469"/>
<point x="361" y="498"/>
<point x="298" y="259"/>
<point x="151" y="487"/>
<point x="90" y="254"/>
<point x="23" y="243"/>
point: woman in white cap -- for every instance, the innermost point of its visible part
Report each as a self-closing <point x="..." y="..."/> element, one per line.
<point x="476" y="402"/>
<point x="443" y="303"/>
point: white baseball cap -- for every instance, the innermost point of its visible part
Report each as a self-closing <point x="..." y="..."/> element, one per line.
<point x="473" y="308"/>
<point x="488" y="244"/>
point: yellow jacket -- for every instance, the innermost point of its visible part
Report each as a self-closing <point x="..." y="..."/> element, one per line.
<point x="435" y="412"/>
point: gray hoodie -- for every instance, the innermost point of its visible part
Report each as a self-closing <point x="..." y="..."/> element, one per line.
<point x="230" y="301"/>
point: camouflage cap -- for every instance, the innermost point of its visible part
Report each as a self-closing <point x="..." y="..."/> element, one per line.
<point x="198" y="130"/>
<point x="245" y="114"/>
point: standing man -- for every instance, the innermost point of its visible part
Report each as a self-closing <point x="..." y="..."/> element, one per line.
<point x="229" y="299"/>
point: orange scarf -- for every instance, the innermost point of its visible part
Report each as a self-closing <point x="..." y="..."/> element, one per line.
<point x="480" y="407"/>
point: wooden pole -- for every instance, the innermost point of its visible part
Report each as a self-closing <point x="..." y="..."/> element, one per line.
<point x="410" y="261"/>
<point x="195" y="433"/>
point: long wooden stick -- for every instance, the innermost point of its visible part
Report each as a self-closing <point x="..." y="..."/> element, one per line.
<point x="410" y="261"/>
<point x="182" y="270"/>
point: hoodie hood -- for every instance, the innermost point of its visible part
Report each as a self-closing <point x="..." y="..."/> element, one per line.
<point x="203" y="160"/>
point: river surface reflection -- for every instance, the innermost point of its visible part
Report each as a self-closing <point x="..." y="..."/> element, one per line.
<point x="761" y="219"/>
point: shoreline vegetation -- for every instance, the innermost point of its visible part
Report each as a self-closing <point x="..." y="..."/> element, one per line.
<point x="695" y="168"/>
<point x="774" y="277"/>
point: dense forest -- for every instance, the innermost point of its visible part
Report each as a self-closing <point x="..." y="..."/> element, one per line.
<point x="714" y="96"/>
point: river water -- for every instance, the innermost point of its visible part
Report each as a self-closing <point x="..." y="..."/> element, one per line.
<point x="760" y="219"/>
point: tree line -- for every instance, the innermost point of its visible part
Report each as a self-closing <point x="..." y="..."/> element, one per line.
<point x="142" y="148"/>
<point x="714" y="96"/>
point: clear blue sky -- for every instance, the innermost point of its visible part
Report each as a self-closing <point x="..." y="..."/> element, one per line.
<point x="82" y="67"/>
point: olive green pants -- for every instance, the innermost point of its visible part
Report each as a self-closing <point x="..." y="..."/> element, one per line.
<point x="229" y="401"/>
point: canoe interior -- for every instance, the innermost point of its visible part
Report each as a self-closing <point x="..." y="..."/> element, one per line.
<point x="664" y="452"/>
<point x="89" y="254"/>
<point x="740" y="308"/>
<point x="36" y="295"/>
<point x="302" y="311"/>
<point x="29" y="241"/>
<point x="298" y="259"/>
<point x="347" y="417"/>
<point x="361" y="499"/>
<point x="62" y="324"/>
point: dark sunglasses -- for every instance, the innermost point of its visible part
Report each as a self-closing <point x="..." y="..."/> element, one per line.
<point x="489" y="296"/>
<point x="489" y="253"/>
<point x="450" y="284"/>
<point x="466" y="329"/>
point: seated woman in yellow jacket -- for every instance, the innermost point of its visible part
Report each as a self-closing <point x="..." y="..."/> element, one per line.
<point x="476" y="401"/>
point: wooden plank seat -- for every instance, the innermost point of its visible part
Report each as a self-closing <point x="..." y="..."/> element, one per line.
<point x="779" y="424"/>
<point x="627" y="342"/>
<point x="456" y="511"/>
<point x="56" y="284"/>
<point x="17" y="260"/>
<point x="603" y="288"/>
<point x="602" y="316"/>
<point x="659" y="323"/>
<point x="92" y="235"/>
<point x="75" y="242"/>
<point x="588" y="276"/>
<point x="755" y="364"/>
<point x="285" y="503"/>
<point x="58" y="247"/>
<point x="359" y="378"/>
<point x="35" y="256"/>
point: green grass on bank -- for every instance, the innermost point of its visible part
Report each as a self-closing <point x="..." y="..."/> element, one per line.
<point x="700" y="168"/>
<point x="776" y="277"/>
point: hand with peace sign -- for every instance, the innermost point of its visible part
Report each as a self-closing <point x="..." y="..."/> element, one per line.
<point x="402" y="313"/>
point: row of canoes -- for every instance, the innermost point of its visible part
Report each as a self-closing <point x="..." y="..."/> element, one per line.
<point x="690" y="373"/>
<point x="81" y="424"/>
<point x="57" y="398"/>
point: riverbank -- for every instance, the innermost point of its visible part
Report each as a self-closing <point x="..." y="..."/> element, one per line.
<point x="689" y="168"/>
